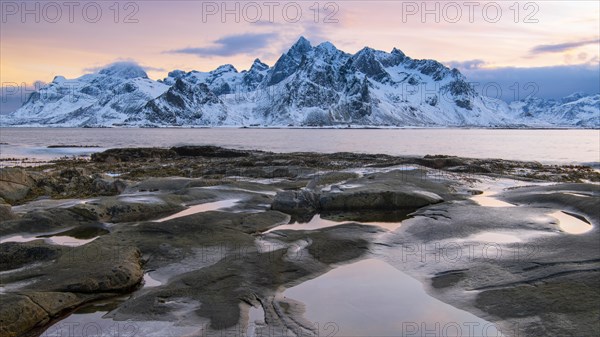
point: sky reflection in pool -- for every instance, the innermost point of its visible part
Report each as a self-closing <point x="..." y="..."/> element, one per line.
<point x="487" y="199"/>
<point x="571" y="224"/>
<point x="317" y="222"/>
<point x="372" y="298"/>
<point x="205" y="207"/>
<point x="56" y="240"/>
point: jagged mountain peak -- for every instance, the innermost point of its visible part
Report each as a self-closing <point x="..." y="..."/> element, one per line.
<point x="300" y="48"/>
<point x="302" y="42"/>
<point x="125" y="70"/>
<point x="177" y="73"/>
<point x="308" y="85"/>
<point x="397" y="51"/>
<point x="328" y="50"/>
<point x="327" y="46"/>
<point x="365" y="51"/>
<point x="258" y="65"/>
<point x="574" y="97"/>
<point x="58" y="79"/>
<point x="226" y="68"/>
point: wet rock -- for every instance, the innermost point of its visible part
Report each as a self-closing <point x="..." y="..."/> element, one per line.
<point x="208" y="151"/>
<point x="108" y="187"/>
<point x="330" y="178"/>
<point x="384" y="191"/>
<point x="19" y="314"/>
<point x="58" y="279"/>
<point x="132" y="154"/>
<point x="246" y="276"/>
<point x="440" y="161"/>
<point x="55" y="303"/>
<point x="71" y="173"/>
<point x="134" y="208"/>
<point x="82" y="232"/>
<point x="297" y="203"/>
<point x="90" y="269"/>
<point x="6" y="212"/>
<point x="341" y="243"/>
<point x="195" y="240"/>
<point x="78" y="183"/>
<point x="447" y="278"/>
<point x="579" y="198"/>
<point x="362" y="216"/>
<point x="15" y="184"/>
<point x="369" y="199"/>
<point x="263" y="221"/>
<point x="560" y="305"/>
<point x="212" y="263"/>
<point x="75" y="278"/>
<point x="532" y="279"/>
<point x="48" y="220"/>
<point x="161" y="185"/>
<point x="18" y="254"/>
<point x="448" y="221"/>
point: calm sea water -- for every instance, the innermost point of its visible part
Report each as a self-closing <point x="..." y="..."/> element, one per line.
<point x="547" y="146"/>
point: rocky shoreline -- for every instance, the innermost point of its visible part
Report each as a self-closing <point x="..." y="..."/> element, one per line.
<point x="75" y="232"/>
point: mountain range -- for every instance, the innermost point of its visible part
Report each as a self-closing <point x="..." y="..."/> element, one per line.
<point x="307" y="86"/>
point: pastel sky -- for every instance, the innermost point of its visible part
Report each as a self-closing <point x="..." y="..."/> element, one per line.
<point x="193" y="35"/>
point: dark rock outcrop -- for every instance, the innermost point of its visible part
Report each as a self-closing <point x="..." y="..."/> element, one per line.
<point x="15" y="184"/>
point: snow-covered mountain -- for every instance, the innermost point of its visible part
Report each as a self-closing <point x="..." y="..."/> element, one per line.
<point x="577" y="109"/>
<point x="112" y="96"/>
<point x="307" y="86"/>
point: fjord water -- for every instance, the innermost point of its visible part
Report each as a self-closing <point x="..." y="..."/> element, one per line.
<point x="547" y="146"/>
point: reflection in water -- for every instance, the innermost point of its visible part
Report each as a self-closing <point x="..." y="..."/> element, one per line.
<point x="256" y="317"/>
<point x="96" y="325"/>
<point x="507" y="236"/>
<point x="578" y="194"/>
<point x="81" y="232"/>
<point x="315" y="223"/>
<point x="239" y="189"/>
<point x="150" y="282"/>
<point x="91" y="320"/>
<point x="140" y="199"/>
<point x="14" y="286"/>
<point x="388" y="220"/>
<point x="209" y="206"/>
<point x="18" y="238"/>
<point x="74" y="237"/>
<point x="48" y="204"/>
<point x="55" y="240"/>
<point x="487" y="199"/>
<point x="570" y="223"/>
<point x="372" y="298"/>
<point x="68" y="241"/>
<point x="495" y="237"/>
<point x="336" y="188"/>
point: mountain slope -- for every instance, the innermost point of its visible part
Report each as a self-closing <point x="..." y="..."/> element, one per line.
<point x="109" y="97"/>
<point x="185" y="103"/>
<point x="574" y="110"/>
<point x="307" y="86"/>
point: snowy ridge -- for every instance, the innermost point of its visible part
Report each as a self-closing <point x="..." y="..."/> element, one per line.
<point x="578" y="109"/>
<point x="111" y="97"/>
<point x="307" y="86"/>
